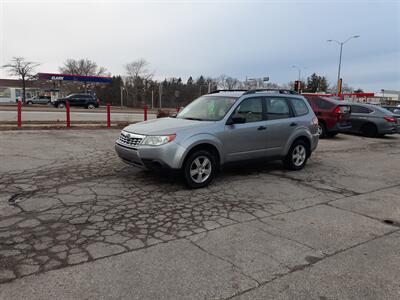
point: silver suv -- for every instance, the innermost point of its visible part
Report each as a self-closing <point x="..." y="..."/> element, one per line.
<point x="224" y="127"/>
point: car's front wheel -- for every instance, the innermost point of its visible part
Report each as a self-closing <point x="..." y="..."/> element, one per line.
<point x="60" y="105"/>
<point x="297" y="156"/>
<point x="199" y="169"/>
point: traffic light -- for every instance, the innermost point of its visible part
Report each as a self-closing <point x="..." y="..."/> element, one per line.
<point x="297" y="86"/>
<point x="339" y="86"/>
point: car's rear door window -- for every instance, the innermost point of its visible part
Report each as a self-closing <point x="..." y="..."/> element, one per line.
<point x="251" y="109"/>
<point x="277" y="108"/>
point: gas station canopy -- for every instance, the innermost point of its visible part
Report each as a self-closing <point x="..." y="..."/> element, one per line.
<point x="73" y="77"/>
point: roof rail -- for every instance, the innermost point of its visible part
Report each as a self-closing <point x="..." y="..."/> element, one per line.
<point x="280" y="91"/>
<point x="233" y="90"/>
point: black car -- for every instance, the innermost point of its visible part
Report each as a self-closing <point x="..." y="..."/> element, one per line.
<point x="82" y="100"/>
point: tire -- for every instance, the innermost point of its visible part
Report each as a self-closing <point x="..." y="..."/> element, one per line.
<point x="297" y="156"/>
<point x="201" y="161"/>
<point x="29" y="103"/>
<point x="332" y="134"/>
<point x="369" y="130"/>
<point x="322" y="130"/>
<point x="61" y="105"/>
<point x="91" y="106"/>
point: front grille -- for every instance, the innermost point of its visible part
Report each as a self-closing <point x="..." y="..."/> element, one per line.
<point x="130" y="139"/>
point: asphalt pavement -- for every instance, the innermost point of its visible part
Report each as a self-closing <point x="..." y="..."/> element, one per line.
<point x="76" y="223"/>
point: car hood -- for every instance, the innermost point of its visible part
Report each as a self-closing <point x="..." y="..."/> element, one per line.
<point x="164" y="126"/>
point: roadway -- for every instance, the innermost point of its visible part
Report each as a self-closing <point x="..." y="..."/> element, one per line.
<point x="7" y="116"/>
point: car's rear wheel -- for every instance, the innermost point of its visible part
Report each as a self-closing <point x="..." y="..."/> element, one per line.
<point x="322" y="129"/>
<point x="29" y="103"/>
<point x="60" y="105"/>
<point x="369" y="130"/>
<point x="199" y="169"/>
<point x="90" y="106"/>
<point x="297" y="156"/>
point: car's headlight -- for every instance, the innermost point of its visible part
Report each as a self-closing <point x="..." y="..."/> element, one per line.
<point x="158" y="140"/>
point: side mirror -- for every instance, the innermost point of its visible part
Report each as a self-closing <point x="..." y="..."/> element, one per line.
<point x="236" y="119"/>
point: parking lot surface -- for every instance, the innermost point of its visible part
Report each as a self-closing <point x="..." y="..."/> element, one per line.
<point x="76" y="223"/>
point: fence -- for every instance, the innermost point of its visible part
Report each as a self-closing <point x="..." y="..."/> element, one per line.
<point x="67" y="118"/>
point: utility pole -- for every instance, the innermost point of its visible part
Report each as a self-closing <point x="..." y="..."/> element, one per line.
<point x="121" y="88"/>
<point x="160" y="93"/>
<point x="152" y="98"/>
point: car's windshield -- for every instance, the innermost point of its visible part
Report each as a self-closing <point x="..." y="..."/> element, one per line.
<point x="207" y="108"/>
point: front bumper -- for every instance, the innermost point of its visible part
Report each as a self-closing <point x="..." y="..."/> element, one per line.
<point x="129" y="155"/>
<point x="168" y="156"/>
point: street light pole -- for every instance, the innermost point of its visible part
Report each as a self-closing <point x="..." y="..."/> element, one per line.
<point x="299" y="70"/>
<point x="340" y="64"/>
<point x="340" y="56"/>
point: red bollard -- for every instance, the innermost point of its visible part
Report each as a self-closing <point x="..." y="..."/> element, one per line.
<point x="68" y="115"/>
<point x="19" y="118"/>
<point x="108" y="115"/>
<point x="145" y="112"/>
<point x="178" y="109"/>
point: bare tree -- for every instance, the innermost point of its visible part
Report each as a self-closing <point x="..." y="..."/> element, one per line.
<point x="138" y="79"/>
<point x="22" y="68"/>
<point x="82" y="66"/>
<point x="228" y="83"/>
<point x="138" y="69"/>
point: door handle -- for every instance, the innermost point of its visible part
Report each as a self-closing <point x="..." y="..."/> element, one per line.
<point x="293" y="124"/>
<point x="261" y="128"/>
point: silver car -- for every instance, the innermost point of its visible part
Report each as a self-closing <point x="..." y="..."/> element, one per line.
<point x="39" y="100"/>
<point x="224" y="127"/>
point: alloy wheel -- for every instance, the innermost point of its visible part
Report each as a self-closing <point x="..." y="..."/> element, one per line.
<point x="200" y="169"/>
<point x="299" y="155"/>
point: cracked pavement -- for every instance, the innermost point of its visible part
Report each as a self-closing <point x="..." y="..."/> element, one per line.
<point x="75" y="222"/>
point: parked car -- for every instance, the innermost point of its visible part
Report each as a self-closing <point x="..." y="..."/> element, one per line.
<point x="372" y="121"/>
<point x="39" y="100"/>
<point x="333" y="115"/>
<point x="82" y="100"/>
<point x="224" y="127"/>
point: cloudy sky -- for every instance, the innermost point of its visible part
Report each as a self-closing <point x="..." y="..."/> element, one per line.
<point x="238" y="38"/>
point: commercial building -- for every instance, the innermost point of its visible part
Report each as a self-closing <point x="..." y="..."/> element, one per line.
<point x="49" y="84"/>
